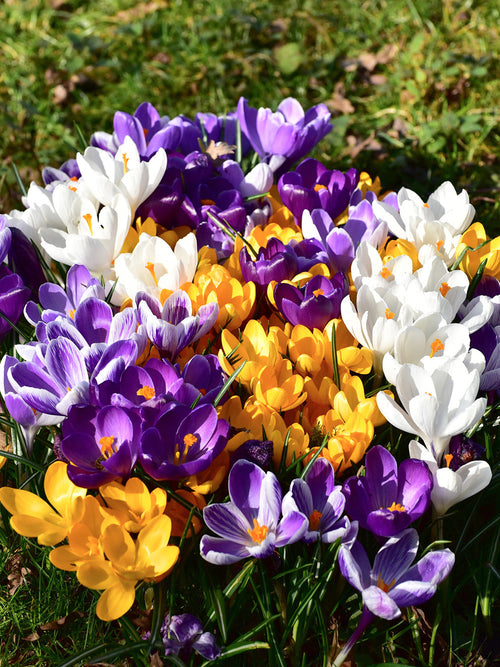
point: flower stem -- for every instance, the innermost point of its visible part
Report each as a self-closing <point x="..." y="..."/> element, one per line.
<point x="366" y="618"/>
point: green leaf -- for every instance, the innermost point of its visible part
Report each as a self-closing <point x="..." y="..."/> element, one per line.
<point x="289" y="57"/>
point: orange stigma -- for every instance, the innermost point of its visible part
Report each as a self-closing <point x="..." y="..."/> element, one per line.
<point x="318" y="292"/>
<point x="396" y="507"/>
<point x="436" y="345"/>
<point x="319" y="187"/>
<point x="389" y="314"/>
<point x="383" y="586"/>
<point x="88" y="219"/>
<point x="314" y="520"/>
<point x="439" y="244"/>
<point x="106" y="443"/>
<point x="386" y="273"/>
<point x="147" y="392"/>
<point x="448" y="458"/>
<point x="190" y="439"/>
<point x="207" y="202"/>
<point x="151" y="268"/>
<point x="444" y="289"/>
<point x="258" y="533"/>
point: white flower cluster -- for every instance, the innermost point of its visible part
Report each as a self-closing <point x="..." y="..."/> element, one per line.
<point x="407" y="318"/>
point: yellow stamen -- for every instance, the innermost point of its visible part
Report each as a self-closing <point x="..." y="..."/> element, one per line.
<point x="147" y="392"/>
<point x="436" y="345"/>
<point x="396" y="507"/>
<point x="93" y="546"/>
<point x="386" y="273"/>
<point x="151" y="268"/>
<point x="444" y="289"/>
<point x="448" y="458"/>
<point x="318" y="292"/>
<point x="426" y="205"/>
<point x="319" y="187"/>
<point x="74" y="178"/>
<point x="145" y="130"/>
<point x="258" y="533"/>
<point x="314" y="520"/>
<point x="383" y="586"/>
<point x="71" y="313"/>
<point x="125" y="162"/>
<point x="71" y="187"/>
<point x="389" y="314"/>
<point x="106" y="443"/>
<point x="439" y="244"/>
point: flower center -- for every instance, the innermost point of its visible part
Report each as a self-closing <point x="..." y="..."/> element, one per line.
<point x="383" y="586"/>
<point x="444" y="289"/>
<point x="439" y="244"/>
<point x="207" y="202"/>
<point x="436" y="345"/>
<point x="386" y="273"/>
<point x="107" y="443"/>
<point x="448" y="458"/>
<point x="319" y="187"/>
<point x="258" y="533"/>
<point x="151" y="268"/>
<point x="147" y="392"/>
<point x="314" y="520"/>
<point x="396" y="507"/>
<point x="389" y="314"/>
<point x="318" y="292"/>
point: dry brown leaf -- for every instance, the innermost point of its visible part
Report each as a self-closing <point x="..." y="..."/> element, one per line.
<point x="16" y="573"/>
<point x="60" y="94"/>
<point x="155" y="660"/>
<point x="357" y="145"/>
<point x="378" y="79"/>
<point x="33" y="637"/>
<point x="140" y="10"/>
<point x="64" y="620"/>
<point x="338" y="101"/>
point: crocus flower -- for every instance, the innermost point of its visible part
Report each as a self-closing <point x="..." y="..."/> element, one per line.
<point x="101" y="444"/>
<point x="388" y="499"/>
<point x="318" y="498"/>
<point x="174" y="327"/>
<point x="182" y="442"/>
<point x="33" y="517"/>
<point x="314" y="305"/>
<point x="13" y="296"/>
<point x="392" y="582"/>
<point x="182" y="634"/>
<point x="274" y="262"/>
<point x="312" y="186"/>
<point x="452" y="485"/>
<point x="249" y="525"/>
<point x="281" y="138"/>
<point x="438" y="402"/>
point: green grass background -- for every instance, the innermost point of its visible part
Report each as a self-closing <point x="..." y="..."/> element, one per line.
<point x="414" y="90"/>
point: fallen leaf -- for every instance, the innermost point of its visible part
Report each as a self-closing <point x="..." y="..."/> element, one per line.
<point x="155" y="660"/>
<point x="357" y="145"/>
<point x="55" y="625"/>
<point x="33" y="637"/>
<point x="338" y="101"/>
<point x="378" y="79"/>
<point x="16" y="572"/>
<point x="60" y="94"/>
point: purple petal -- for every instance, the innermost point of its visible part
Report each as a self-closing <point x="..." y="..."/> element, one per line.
<point x="220" y="551"/>
<point x="380" y="603"/>
<point x="291" y="528"/>
<point x="227" y="521"/>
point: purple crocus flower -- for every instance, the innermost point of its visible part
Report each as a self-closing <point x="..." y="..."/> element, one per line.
<point x="311" y="185"/>
<point x="174" y="326"/>
<point x="183" y="441"/>
<point x="13" y="296"/>
<point x="487" y="341"/>
<point x="387" y="499"/>
<point x="318" y="498"/>
<point x="313" y="305"/>
<point x="249" y="525"/>
<point x="182" y="634"/>
<point x="274" y="262"/>
<point x="101" y="444"/>
<point x="464" y="450"/>
<point x="282" y="137"/>
<point x="392" y="582"/>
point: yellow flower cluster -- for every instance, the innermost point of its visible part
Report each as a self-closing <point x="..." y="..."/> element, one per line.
<point x="114" y="540"/>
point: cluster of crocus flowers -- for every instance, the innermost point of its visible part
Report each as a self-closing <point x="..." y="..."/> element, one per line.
<point x="249" y="330"/>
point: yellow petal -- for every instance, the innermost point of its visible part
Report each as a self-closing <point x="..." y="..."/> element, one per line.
<point x="48" y="533"/>
<point x="118" y="546"/>
<point x="60" y="490"/>
<point x="137" y="495"/>
<point x="64" y="558"/>
<point x="97" y="574"/>
<point x="115" y="601"/>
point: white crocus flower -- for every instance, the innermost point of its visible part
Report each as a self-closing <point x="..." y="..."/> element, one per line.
<point x="450" y="486"/>
<point x="434" y="227"/>
<point x="154" y="266"/>
<point x="376" y="320"/>
<point x="438" y="402"/>
<point x="368" y="268"/>
<point x="437" y="290"/>
<point x="89" y="235"/>
<point x="106" y="176"/>
<point x="431" y="338"/>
